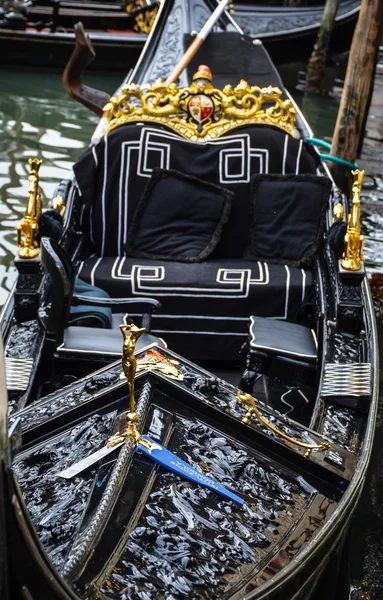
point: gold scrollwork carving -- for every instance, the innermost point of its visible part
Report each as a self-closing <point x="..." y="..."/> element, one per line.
<point x="202" y="112"/>
<point x="28" y="230"/>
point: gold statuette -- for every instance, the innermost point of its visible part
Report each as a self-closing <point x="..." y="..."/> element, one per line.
<point x="202" y="112"/>
<point x="249" y="401"/>
<point x="354" y="241"/>
<point x="131" y="334"/>
<point x="28" y="229"/>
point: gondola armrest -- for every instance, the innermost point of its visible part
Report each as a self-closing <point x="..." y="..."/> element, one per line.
<point x="147" y="306"/>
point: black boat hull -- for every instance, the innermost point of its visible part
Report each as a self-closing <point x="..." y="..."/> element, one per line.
<point x="304" y="478"/>
<point x="118" y="51"/>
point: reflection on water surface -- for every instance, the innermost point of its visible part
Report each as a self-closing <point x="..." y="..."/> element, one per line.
<point x="37" y="119"/>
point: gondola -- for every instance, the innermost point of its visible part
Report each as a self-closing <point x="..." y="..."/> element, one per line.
<point x="290" y="32"/>
<point x="219" y="446"/>
<point x="43" y="34"/>
<point x="287" y="32"/>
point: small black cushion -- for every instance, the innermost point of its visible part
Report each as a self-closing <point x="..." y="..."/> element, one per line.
<point x="288" y="213"/>
<point x="283" y="339"/>
<point x="179" y="218"/>
<point x="113" y="174"/>
<point x="108" y="343"/>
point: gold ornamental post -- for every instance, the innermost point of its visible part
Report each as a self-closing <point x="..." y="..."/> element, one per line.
<point x="131" y="334"/>
<point x="354" y="241"/>
<point x="28" y="230"/>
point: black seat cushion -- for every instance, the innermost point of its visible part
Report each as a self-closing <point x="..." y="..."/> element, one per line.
<point x="288" y="213"/>
<point x="205" y="303"/>
<point x="88" y="341"/>
<point x="283" y="339"/>
<point x="179" y="218"/>
<point x="112" y="176"/>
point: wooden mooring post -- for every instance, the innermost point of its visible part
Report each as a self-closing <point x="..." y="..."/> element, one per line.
<point x="317" y="64"/>
<point x="358" y="85"/>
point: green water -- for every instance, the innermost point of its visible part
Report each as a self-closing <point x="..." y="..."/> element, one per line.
<point x="38" y="120"/>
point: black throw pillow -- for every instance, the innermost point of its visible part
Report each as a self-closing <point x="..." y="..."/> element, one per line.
<point x="179" y="218"/>
<point x="288" y="218"/>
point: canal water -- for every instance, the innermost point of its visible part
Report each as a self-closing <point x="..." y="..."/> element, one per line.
<point x="38" y="120"/>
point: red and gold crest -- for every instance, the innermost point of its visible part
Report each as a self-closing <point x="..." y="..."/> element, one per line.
<point x="201" y="107"/>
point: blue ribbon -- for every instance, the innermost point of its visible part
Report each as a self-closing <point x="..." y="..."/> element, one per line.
<point x="170" y="461"/>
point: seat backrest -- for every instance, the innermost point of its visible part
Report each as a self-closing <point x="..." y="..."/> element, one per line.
<point x="57" y="263"/>
<point x="113" y="175"/>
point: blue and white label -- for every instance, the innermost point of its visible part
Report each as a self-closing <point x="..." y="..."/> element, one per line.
<point x="170" y="461"/>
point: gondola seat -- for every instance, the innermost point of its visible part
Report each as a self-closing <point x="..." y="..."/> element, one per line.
<point x="286" y="351"/>
<point x="207" y="302"/>
<point x="87" y="343"/>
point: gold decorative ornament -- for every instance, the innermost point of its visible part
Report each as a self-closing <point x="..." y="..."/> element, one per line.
<point x="202" y="112"/>
<point x="249" y="401"/>
<point x="145" y="20"/>
<point x="28" y="230"/>
<point x="131" y="334"/>
<point x="58" y="203"/>
<point x="154" y="361"/>
<point x="151" y="361"/>
<point x="147" y="12"/>
<point x="338" y="212"/>
<point x="354" y="241"/>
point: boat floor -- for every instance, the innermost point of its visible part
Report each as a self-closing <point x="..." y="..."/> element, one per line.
<point x="196" y="531"/>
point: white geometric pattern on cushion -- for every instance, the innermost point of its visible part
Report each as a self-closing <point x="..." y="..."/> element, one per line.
<point x="237" y="289"/>
<point x="113" y="176"/>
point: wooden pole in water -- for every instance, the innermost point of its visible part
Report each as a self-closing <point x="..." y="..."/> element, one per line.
<point x="317" y="63"/>
<point x="359" y="81"/>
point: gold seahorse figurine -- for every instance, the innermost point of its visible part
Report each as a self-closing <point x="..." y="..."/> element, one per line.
<point x="354" y="240"/>
<point x="28" y="229"/>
